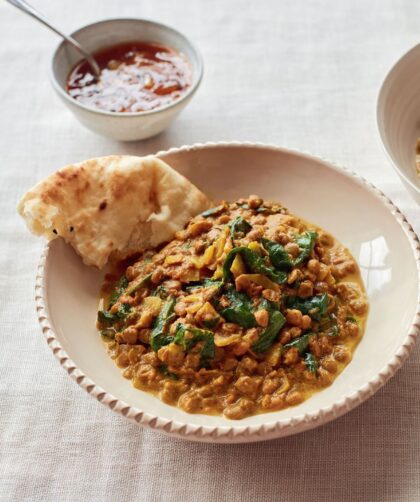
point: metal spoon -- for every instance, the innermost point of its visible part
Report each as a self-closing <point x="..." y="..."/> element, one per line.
<point x="28" y="9"/>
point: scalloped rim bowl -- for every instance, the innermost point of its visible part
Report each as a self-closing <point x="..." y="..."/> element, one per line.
<point x="358" y="214"/>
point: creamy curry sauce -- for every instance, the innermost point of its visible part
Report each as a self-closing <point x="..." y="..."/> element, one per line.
<point x="248" y="310"/>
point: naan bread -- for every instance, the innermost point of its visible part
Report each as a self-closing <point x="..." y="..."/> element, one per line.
<point x="114" y="205"/>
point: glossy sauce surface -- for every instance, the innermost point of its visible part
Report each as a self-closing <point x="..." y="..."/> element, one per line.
<point x="135" y="77"/>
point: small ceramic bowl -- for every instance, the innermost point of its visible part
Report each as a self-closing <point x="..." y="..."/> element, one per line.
<point x="398" y="118"/>
<point x="360" y="216"/>
<point x="119" y="125"/>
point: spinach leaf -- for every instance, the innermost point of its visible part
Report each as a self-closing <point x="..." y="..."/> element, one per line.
<point x="300" y="343"/>
<point x="315" y="306"/>
<point x="254" y="262"/>
<point x="138" y="284"/>
<point x="239" y="310"/>
<point x="269" y="335"/>
<point x="187" y="337"/>
<point x="109" y="332"/>
<point x="311" y="362"/>
<point x="278" y="255"/>
<point x="119" y="288"/>
<point x="205" y="283"/>
<point x="163" y="368"/>
<point x="239" y="225"/>
<point x="123" y="311"/>
<point x="328" y="324"/>
<point x="161" y="292"/>
<point x="265" y="209"/>
<point x="105" y="317"/>
<point x="333" y="330"/>
<point x="270" y="210"/>
<point x="306" y="242"/>
<point x="213" y="211"/>
<point x="352" y="319"/>
<point x="159" y="336"/>
<point x="211" y="323"/>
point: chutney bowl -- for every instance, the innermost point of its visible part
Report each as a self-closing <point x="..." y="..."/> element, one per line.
<point x="124" y="126"/>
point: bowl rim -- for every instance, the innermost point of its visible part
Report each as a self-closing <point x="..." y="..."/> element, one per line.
<point x="380" y="129"/>
<point x="237" y="433"/>
<point x="183" y="98"/>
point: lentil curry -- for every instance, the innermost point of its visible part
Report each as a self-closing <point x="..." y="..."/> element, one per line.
<point x="248" y="310"/>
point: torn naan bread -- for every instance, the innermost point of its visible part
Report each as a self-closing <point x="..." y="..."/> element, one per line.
<point x="112" y="206"/>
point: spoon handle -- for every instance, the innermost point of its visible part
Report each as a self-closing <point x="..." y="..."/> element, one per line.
<point x="28" y="9"/>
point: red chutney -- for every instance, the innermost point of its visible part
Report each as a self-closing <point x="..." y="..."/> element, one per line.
<point x="135" y="77"/>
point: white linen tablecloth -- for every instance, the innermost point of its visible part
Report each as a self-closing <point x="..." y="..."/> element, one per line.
<point x="303" y="74"/>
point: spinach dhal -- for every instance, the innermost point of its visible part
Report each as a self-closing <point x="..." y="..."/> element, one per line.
<point x="249" y="309"/>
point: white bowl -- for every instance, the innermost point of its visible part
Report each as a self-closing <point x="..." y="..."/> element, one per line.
<point x="398" y="118"/>
<point x="119" y="125"/>
<point x="361" y="217"/>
